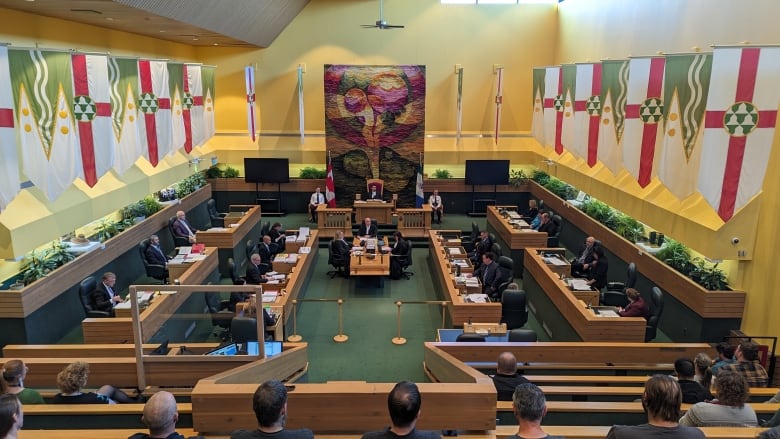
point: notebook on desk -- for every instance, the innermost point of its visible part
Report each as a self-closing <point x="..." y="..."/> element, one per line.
<point x="605" y="311"/>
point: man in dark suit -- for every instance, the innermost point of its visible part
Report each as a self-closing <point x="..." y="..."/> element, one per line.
<point x="183" y="228"/>
<point x="154" y="254"/>
<point x="373" y="194"/>
<point x="548" y="225"/>
<point x="581" y="264"/>
<point x="104" y="297"/>
<point x="254" y="272"/>
<point x="398" y="255"/>
<point x="482" y="246"/>
<point x="265" y="251"/>
<point x="488" y="274"/>
<point x="278" y="236"/>
<point x="341" y="249"/>
<point x="597" y="272"/>
<point x="367" y="228"/>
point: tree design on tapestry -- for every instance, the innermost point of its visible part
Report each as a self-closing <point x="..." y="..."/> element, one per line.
<point x="375" y="128"/>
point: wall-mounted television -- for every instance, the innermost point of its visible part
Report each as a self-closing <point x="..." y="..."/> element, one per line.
<point x="265" y="170"/>
<point x="487" y="172"/>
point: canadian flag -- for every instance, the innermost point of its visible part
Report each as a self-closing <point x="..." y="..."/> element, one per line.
<point x="330" y="187"/>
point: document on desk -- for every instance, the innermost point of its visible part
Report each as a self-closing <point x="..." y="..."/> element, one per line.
<point x="291" y="238"/>
<point x="453" y="250"/>
<point x="178" y="259"/>
<point x="269" y="296"/>
<point x="304" y="250"/>
<point x="607" y="313"/>
<point x="217" y="229"/>
<point x="476" y="298"/>
<point x="185" y="250"/>
<point x="579" y="285"/>
<point x="303" y="232"/>
<point x="195" y="257"/>
<point x="554" y="261"/>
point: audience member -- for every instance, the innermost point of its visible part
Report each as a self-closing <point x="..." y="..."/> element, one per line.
<point x="367" y="229"/>
<point x="11" y="416"/>
<point x="398" y="255"/>
<point x="403" y="403"/>
<point x="278" y="236"/>
<point x="725" y="356"/>
<point x="14" y="373"/>
<point x="255" y="273"/>
<point x="73" y="379"/>
<point x="316" y="199"/>
<point x="437" y="208"/>
<point x="747" y="364"/>
<point x="537" y="220"/>
<point x="487" y="273"/>
<point x="637" y="307"/>
<point x="373" y="193"/>
<point x="266" y="250"/>
<point x="507" y="378"/>
<point x="548" y="225"/>
<point x="597" y="271"/>
<point x="775" y="421"/>
<point x="730" y="410"/>
<point x="104" y="297"/>
<point x="160" y="415"/>
<point x="772" y="433"/>
<point x="270" y="406"/>
<point x="581" y="264"/>
<point x="692" y="392"/>
<point x="532" y="211"/>
<point x="703" y="376"/>
<point x="529" y="407"/>
<point x="661" y="400"/>
<point x="182" y="228"/>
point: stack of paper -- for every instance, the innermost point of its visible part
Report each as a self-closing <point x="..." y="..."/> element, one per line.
<point x="303" y="232"/>
<point x="579" y="285"/>
<point x="472" y="282"/>
<point x="477" y="298"/>
<point x="291" y="238"/>
<point x="304" y="250"/>
<point x="270" y="296"/>
<point x="185" y="250"/>
<point x="453" y="250"/>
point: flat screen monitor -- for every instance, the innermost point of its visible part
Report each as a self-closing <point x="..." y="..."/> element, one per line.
<point x="272" y="348"/>
<point x="487" y="172"/>
<point x="266" y="170"/>
<point x="227" y="350"/>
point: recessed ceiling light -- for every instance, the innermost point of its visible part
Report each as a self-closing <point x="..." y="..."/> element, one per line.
<point x="162" y="31"/>
<point x="109" y="19"/>
<point x="216" y="44"/>
<point x="195" y="39"/>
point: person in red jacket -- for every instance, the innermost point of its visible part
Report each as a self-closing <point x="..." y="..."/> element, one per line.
<point x="637" y="307"/>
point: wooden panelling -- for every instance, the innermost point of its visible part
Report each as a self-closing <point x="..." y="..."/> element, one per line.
<point x="331" y="220"/>
<point x="517" y="239"/>
<point x="414" y="222"/>
<point x="232" y="236"/>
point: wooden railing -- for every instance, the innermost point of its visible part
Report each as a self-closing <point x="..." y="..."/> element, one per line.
<point x="414" y="222"/>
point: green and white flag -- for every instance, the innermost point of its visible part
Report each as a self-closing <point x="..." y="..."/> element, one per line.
<point x="569" y="72"/>
<point x="614" y="89"/>
<point x="176" y="84"/>
<point x="537" y="123"/>
<point x="43" y="92"/>
<point x="207" y="75"/>
<point x="123" y="76"/>
<point x="9" y="158"/>
<point x="687" y="82"/>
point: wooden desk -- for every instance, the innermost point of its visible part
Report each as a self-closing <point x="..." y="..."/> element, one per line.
<point x="331" y="220"/>
<point x="414" y="222"/>
<point x="513" y="240"/>
<point x="380" y="211"/>
<point x="556" y="307"/>
<point x="231" y="241"/>
<point x="459" y="310"/>
<point x="365" y="266"/>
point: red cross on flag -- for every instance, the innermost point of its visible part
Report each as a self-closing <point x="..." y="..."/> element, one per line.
<point x="92" y="112"/>
<point x="193" y="107"/>
<point x="739" y="125"/>
<point x="587" y="111"/>
<point x="155" y="106"/>
<point x="551" y="126"/>
<point x="9" y="160"/>
<point x="643" y="135"/>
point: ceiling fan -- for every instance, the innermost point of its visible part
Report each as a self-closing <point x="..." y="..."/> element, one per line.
<point x="381" y="23"/>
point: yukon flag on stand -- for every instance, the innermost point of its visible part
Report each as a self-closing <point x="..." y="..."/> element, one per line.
<point x="42" y="84"/>
<point x="92" y="111"/>
<point x="644" y="110"/>
<point x="155" y="106"/>
<point x="614" y="88"/>
<point x="207" y="74"/>
<point x="550" y="114"/>
<point x="9" y="160"/>
<point x="176" y="83"/>
<point x="330" y="187"/>
<point x="587" y="108"/>
<point x="123" y="76"/>
<point x="537" y="123"/>
<point x="686" y="81"/>
<point x="419" y="194"/>
<point x="739" y="125"/>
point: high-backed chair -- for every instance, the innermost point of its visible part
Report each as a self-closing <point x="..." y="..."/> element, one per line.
<point x="406" y="262"/>
<point x="615" y="295"/>
<point x="86" y="287"/>
<point x="513" y="309"/>
<point x="496" y="249"/>
<point x="234" y="276"/>
<point x="506" y="268"/>
<point x="178" y="241"/>
<point x="467" y="337"/>
<point x="522" y="335"/>
<point x="467" y="241"/>
<point x="221" y="316"/>
<point x="244" y="329"/>
<point x="656" y="309"/>
<point x="378" y="182"/>
<point x="264" y="229"/>
<point x="337" y="261"/>
<point x="553" y="240"/>
<point x="154" y="271"/>
<point x="250" y="248"/>
<point x="217" y="218"/>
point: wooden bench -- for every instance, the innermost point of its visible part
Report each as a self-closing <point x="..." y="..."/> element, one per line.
<point x="99" y="416"/>
<point x="600" y="432"/>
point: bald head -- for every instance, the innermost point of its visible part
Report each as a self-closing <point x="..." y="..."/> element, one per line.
<point x="507" y="364"/>
<point x="160" y="414"/>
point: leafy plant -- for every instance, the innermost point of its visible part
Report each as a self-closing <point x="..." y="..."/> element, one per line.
<point x="58" y="255"/>
<point x="599" y="211"/>
<point x="312" y="173"/>
<point x="151" y="205"/>
<point x="517" y="177"/>
<point x="442" y="173"/>
<point x="540" y="177"/>
<point x="231" y="172"/>
<point x="108" y="228"/>
<point x="628" y="227"/>
<point x="135" y="210"/>
<point x="213" y="172"/>
<point x="34" y="267"/>
<point x="190" y="184"/>
<point x="709" y="276"/>
<point x="676" y="255"/>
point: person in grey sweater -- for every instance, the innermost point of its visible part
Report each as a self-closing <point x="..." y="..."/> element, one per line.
<point x="729" y="410"/>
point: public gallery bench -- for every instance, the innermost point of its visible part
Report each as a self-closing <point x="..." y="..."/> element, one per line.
<point x="89" y="416"/>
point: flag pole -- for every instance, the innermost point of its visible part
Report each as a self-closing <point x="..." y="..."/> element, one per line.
<point x="499" y="100"/>
<point x="300" y="102"/>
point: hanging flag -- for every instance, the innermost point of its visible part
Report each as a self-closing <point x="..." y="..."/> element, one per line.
<point x="551" y="78"/>
<point x="686" y="82"/>
<point x="300" y="103"/>
<point x="155" y="104"/>
<point x="644" y="111"/>
<point x="537" y="123"/>
<point x="330" y="187"/>
<point x="419" y="194"/>
<point x="739" y="125"/>
<point x="459" y="112"/>
<point x="178" y="130"/>
<point x="92" y="111"/>
<point x="569" y="75"/>
<point x="249" y="78"/>
<point x="614" y="88"/>
<point x="123" y="77"/>
<point x="192" y="107"/>
<point x="587" y="112"/>
<point x="42" y="84"/>
<point x="499" y="101"/>
<point x="207" y="74"/>
<point x="9" y="160"/>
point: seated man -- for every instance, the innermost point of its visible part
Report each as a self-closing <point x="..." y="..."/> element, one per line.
<point x="316" y="199"/>
<point x="367" y="229"/>
<point x="373" y="193"/>
<point x="160" y="416"/>
<point x="182" y="228"/>
<point x="154" y="254"/>
<point x="403" y="403"/>
<point x="488" y="274"/>
<point x="255" y="273"/>
<point x="747" y="364"/>
<point x="266" y="251"/>
<point x="278" y="236"/>
<point x="437" y="208"/>
<point x="482" y="246"/>
<point x="342" y="250"/>
<point x="398" y="255"/>
<point x="270" y="406"/>
<point x="692" y="392"/>
<point x="597" y="271"/>
<point x="529" y="407"/>
<point x="506" y="378"/>
<point x="581" y="264"/>
<point x="104" y="297"/>
<point x="548" y="225"/>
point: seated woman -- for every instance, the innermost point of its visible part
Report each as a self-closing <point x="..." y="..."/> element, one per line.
<point x="277" y="236"/>
<point x="637" y="307"/>
<point x="11" y="416"/>
<point x="14" y="373"/>
<point x="597" y="273"/>
<point x="74" y="377"/>
<point x="729" y="410"/>
<point x="532" y="212"/>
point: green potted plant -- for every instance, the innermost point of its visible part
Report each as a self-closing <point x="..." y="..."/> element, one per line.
<point x="190" y="184"/>
<point x="213" y="172"/>
<point x="231" y="172"/>
<point x="676" y="255"/>
<point x="540" y="177"/>
<point x="517" y="177"/>
<point x="150" y="205"/>
<point x="58" y="255"/>
<point x="34" y="267"/>
<point x="106" y="229"/>
<point x="312" y="173"/>
<point x="628" y="227"/>
<point x="442" y="173"/>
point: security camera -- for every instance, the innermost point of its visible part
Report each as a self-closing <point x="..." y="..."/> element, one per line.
<point x="735" y="240"/>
